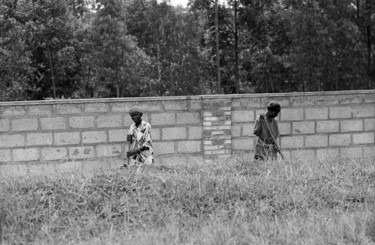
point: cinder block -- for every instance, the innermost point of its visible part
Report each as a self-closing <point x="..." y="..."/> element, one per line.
<point x="195" y="133"/>
<point x="108" y="150"/>
<point x="350" y="99"/>
<point x="248" y="129"/>
<point x="323" y="154"/>
<point x="292" y="142"/>
<point x="291" y="114"/>
<point x="151" y="106"/>
<point x="39" y="139"/>
<point x="146" y="106"/>
<point x="207" y="123"/>
<point x="24" y="124"/>
<point x="118" y="135"/>
<point x="243" y="116"/>
<point x="303" y="127"/>
<point x="351" y="152"/>
<point x="236" y="130"/>
<point x="109" y="121"/>
<point x="243" y="144"/>
<point x="369" y="124"/>
<point x="363" y="111"/>
<point x="369" y="98"/>
<point x="316" y="113"/>
<point x="218" y="127"/>
<point x="82" y="122"/>
<point x="284" y="101"/>
<point x="196" y="105"/>
<point x="22" y="155"/>
<point x="4" y="125"/>
<point x="316" y="140"/>
<point x="326" y="100"/>
<point x="4" y="156"/>
<point x="207" y="114"/>
<point x="249" y="103"/>
<point x="369" y="151"/>
<point x="9" y="111"/>
<point x="161" y="148"/>
<point x="163" y="119"/>
<point x="189" y="146"/>
<point x="188" y="118"/>
<point x="68" y="109"/>
<point x="304" y="155"/>
<point x="52" y="123"/>
<point x="300" y="101"/>
<point x="174" y="133"/>
<point x="57" y="153"/>
<point x="122" y="106"/>
<point x="96" y="107"/>
<point x="327" y="126"/>
<point x="363" y="138"/>
<point x="351" y="125"/>
<point x="175" y="105"/>
<point x="13" y="140"/>
<point x="81" y="152"/>
<point x="285" y="128"/>
<point x="340" y="112"/>
<point x="155" y="134"/>
<point x="40" y="110"/>
<point x="67" y="138"/>
<point x="339" y="139"/>
<point x="92" y="137"/>
<point x="236" y="103"/>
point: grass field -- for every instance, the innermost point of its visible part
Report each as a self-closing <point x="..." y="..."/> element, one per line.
<point x="229" y="202"/>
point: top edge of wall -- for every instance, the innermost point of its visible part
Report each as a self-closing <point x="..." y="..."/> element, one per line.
<point x="195" y="97"/>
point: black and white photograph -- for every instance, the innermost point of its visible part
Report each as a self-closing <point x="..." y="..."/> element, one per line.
<point x="200" y="122"/>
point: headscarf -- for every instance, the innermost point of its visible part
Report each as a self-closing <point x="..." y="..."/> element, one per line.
<point x="135" y="109"/>
<point x="274" y="107"/>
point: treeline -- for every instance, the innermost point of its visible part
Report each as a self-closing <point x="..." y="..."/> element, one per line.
<point x="121" y="48"/>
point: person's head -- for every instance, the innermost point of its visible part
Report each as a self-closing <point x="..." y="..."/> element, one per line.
<point x="136" y="114"/>
<point x="273" y="110"/>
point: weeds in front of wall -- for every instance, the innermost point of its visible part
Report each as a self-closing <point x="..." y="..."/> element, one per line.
<point x="233" y="202"/>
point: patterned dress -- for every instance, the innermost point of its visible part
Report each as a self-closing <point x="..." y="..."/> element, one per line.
<point x="141" y="136"/>
<point x="265" y="149"/>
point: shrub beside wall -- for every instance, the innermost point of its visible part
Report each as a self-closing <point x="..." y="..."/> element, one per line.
<point x="312" y="125"/>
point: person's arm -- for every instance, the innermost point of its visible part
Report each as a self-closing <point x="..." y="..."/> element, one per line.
<point x="258" y="125"/>
<point x="136" y="151"/>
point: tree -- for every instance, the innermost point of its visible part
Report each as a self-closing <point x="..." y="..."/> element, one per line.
<point x="14" y="55"/>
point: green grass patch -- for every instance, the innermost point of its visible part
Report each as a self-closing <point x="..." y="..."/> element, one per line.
<point x="235" y="202"/>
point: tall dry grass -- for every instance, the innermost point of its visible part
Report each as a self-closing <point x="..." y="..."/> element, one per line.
<point x="233" y="202"/>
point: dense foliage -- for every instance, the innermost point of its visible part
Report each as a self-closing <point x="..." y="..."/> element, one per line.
<point x="121" y="48"/>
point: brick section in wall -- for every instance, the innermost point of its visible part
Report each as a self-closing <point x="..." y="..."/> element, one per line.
<point x="217" y="128"/>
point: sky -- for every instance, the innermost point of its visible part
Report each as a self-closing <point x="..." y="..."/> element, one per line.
<point x="178" y="2"/>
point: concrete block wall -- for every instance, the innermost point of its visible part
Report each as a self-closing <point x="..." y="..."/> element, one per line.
<point x="79" y="130"/>
<point x="312" y="125"/>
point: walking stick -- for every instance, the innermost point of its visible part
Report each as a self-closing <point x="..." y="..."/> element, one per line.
<point x="128" y="151"/>
<point x="274" y="140"/>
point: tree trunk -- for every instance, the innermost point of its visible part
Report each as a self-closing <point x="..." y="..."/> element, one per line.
<point x="237" y="86"/>
<point x="52" y="74"/>
<point x="358" y="6"/>
<point x="369" y="36"/>
<point x="368" y="29"/>
<point x="217" y="47"/>
<point x="74" y="8"/>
